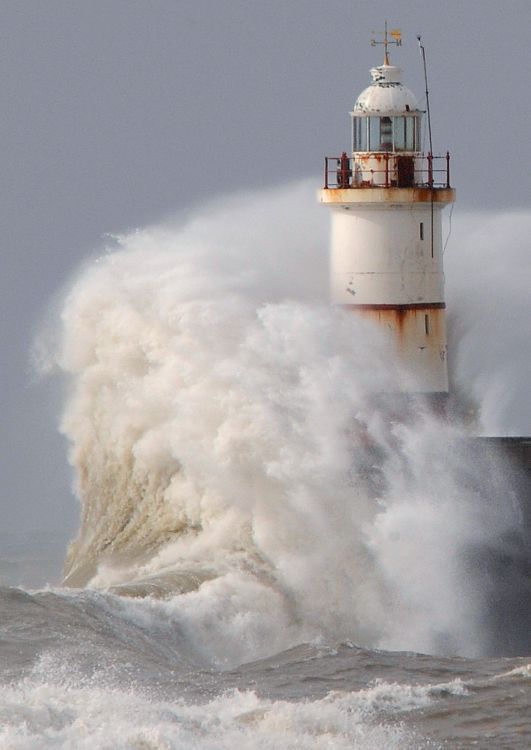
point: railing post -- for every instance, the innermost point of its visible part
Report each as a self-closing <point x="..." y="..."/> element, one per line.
<point x="447" y="169"/>
<point x="430" y="169"/>
<point x="326" y="173"/>
<point x="344" y="171"/>
<point x="386" y="169"/>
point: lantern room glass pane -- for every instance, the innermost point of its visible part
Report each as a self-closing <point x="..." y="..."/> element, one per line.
<point x="386" y="134"/>
<point x="417" y="134"/>
<point x="359" y="133"/>
<point x="399" y="133"/>
<point x="364" y="129"/>
<point x="410" y="133"/>
<point x="374" y="134"/>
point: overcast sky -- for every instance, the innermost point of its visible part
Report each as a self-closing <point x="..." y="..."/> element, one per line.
<point x="117" y="113"/>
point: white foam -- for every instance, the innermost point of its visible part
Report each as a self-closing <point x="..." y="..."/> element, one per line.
<point x="217" y="407"/>
<point x="523" y="671"/>
<point x="54" y="715"/>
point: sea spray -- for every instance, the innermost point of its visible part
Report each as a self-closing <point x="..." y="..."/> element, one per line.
<point x="488" y="278"/>
<point x="233" y="450"/>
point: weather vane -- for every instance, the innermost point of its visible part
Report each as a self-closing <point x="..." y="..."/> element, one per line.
<point x="397" y="39"/>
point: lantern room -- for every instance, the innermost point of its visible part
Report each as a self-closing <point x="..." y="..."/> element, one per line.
<point x="386" y="116"/>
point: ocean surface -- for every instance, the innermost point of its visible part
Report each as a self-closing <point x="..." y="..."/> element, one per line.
<point x="274" y="551"/>
<point x="85" y="669"/>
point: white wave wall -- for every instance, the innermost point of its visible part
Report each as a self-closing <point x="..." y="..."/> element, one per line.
<point x="222" y="422"/>
<point x="488" y="278"/>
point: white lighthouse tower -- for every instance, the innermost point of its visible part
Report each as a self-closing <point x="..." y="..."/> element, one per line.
<point x="386" y="198"/>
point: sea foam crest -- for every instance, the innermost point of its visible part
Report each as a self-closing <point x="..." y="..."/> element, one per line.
<point x="234" y="453"/>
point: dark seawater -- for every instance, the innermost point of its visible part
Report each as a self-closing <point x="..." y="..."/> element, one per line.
<point x="83" y="669"/>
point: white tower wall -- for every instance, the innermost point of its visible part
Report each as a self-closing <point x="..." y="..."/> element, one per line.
<point x="383" y="255"/>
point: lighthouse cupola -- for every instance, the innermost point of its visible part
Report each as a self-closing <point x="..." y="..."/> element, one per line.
<point x="386" y="197"/>
<point x="386" y="131"/>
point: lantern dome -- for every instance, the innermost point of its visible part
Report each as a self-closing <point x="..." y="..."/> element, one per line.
<point x="386" y="95"/>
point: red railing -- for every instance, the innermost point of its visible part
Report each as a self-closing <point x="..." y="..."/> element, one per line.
<point x="397" y="170"/>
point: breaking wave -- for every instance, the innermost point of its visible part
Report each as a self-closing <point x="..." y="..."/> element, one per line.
<point x="234" y="454"/>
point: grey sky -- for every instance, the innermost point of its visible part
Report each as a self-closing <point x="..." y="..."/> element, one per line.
<point x="116" y="113"/>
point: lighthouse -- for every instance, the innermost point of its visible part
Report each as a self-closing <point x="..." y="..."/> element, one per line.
<point x="386" y="197"/>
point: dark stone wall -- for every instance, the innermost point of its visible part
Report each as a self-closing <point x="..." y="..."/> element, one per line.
<point x="506" y="568"/>
<point x="517" y="449"/>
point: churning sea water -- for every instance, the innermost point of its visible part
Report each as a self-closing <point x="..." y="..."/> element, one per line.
<point x="82" y="669"/>
<point x="271" y="554"/>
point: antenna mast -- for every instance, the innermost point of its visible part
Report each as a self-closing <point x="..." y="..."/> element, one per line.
<point x="423" y="53"/>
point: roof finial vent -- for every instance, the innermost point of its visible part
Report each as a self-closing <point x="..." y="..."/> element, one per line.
<point x="397" y="39"/>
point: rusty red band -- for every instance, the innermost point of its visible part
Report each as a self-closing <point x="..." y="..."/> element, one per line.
<point x="410" y="306"/>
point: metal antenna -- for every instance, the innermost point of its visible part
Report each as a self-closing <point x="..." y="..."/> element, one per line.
<point x="423" y="53"/>
<point x="397" y="39"/>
